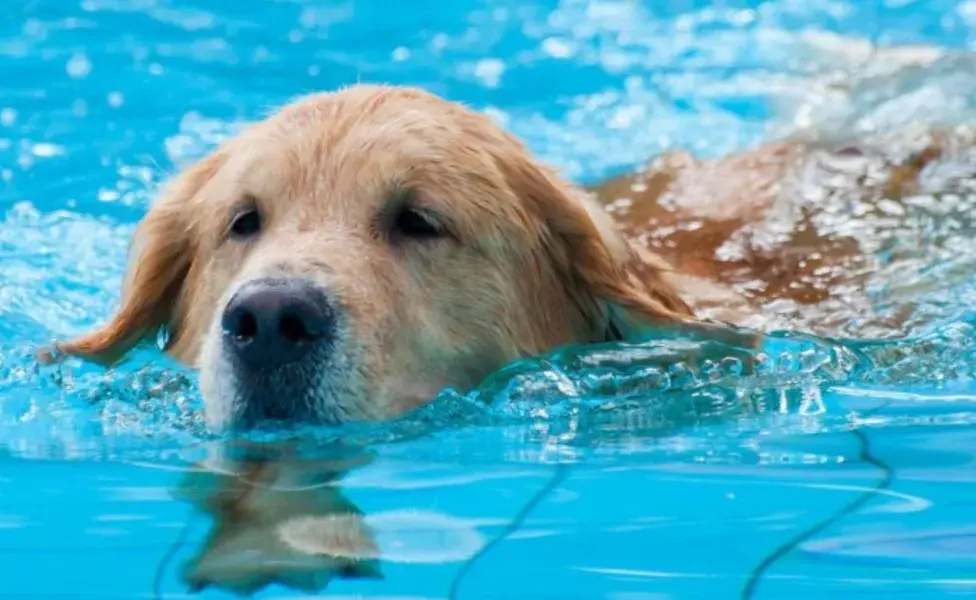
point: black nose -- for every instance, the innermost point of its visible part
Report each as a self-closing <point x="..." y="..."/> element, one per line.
<point x="270" y="322"/>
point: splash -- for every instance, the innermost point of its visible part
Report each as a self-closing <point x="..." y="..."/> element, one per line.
<point x="577" y="395"/>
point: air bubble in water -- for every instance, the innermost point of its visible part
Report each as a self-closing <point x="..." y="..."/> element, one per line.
<point x="78" y="66"/>
<point x="732" y="366"/>
<point x="8" y="117"/>
<point x="681" y="376"/>
<point x="785" y="362"/>
<point x="764" y="366"/>
<point x="711" y="371"/>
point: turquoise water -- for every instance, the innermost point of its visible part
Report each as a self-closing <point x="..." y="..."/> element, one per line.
<point x="586" y="474"/>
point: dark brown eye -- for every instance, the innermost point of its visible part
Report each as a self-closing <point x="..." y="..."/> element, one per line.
<point x="245" y="224"/>
<point x="415" y="224"/>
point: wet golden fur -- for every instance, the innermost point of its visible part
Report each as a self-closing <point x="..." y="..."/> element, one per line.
<point x="531" y="262"/>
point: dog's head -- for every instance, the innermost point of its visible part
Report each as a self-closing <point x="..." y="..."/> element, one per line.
<point x="358" y="251"/>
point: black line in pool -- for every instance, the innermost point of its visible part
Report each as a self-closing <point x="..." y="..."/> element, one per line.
<point x="558" y="476"/>
<point x="157" y="591"/>
<point x="888" y="475"/>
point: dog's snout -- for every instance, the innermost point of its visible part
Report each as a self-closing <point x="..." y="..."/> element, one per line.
<point x="269" y="322"/>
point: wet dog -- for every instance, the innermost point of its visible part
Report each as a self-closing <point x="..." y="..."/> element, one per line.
<point x="358" y="251"/>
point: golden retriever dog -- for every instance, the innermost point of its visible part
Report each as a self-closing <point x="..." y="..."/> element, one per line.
<point x="358" y="251"/>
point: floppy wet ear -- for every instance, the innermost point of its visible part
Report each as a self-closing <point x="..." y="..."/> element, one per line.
<point x="160" y="257"/>
<point x="635" y="292"/>
<point x="627" y="294"/>
<point x="619" y="291"/>
<point x="640" y="293"/>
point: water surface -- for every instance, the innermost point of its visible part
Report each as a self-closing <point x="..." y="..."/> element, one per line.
<point x="842" y="469"/>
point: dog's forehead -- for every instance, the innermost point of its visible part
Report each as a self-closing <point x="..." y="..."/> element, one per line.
<point x="372" y="115"/>
<point x="368" y="140"/>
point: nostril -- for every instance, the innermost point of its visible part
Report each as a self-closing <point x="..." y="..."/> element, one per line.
<point x="271" y="322"/>
<point x="246" y="327"/>
<point x="292" y="328"/>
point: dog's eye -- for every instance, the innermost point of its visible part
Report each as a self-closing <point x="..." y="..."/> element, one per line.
<point x="415" y="224"/>
<point x="245" y="223"/>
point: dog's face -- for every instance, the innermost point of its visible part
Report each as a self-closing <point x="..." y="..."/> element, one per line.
<point x="358" y="251"/>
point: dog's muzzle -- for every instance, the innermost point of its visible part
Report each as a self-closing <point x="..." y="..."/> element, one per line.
<point x="277" y="333"/>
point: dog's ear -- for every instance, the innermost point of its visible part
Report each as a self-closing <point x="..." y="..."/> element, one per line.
<point x="625" y="294"/>
<point x="636" y="291"/>
<point x="160" y="258"/>
<point x="618" y="291"/>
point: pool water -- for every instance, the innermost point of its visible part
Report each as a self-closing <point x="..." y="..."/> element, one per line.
<point x="845" y="469"/>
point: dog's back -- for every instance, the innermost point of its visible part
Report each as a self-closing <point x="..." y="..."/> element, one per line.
<point x="803" y="226"/>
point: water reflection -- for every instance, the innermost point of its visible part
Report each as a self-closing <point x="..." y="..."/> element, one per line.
<point x="278" y="517"/>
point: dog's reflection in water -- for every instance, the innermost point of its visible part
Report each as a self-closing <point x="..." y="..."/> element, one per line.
<point x="278" y="517"/>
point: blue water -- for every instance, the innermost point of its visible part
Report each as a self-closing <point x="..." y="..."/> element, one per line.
<point x="583" y="475"/>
